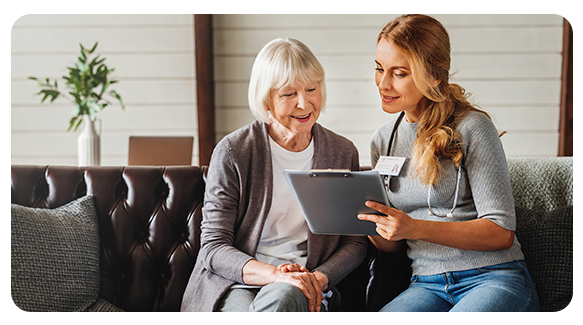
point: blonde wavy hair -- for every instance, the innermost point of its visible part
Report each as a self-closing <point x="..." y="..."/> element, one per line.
<point x="425" y="43"/>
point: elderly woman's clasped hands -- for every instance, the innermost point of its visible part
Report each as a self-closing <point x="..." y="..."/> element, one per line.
<point x="312" y="284"/>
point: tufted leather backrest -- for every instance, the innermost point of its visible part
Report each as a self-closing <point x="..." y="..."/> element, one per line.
<point x="149" y="223"/>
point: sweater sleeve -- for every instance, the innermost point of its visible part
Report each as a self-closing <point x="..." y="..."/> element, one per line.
<point x="487" y="171"/>
<point x="217" y="252"/>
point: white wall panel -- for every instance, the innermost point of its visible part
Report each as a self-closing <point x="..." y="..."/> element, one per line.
<point x="109" y="21"/>
<point x="521" y="92"/>
<point x="61" y="147"/>
<point x="505" y="39"/>
<point x="143" y="118"/>
<point x="533" y="144"/>
<point x="375" y="21"/>
<point x="154" y="60"/>
<point x="141" y="91"/>
<point x="128" y="67"/>
<point x="343" y="93"/>
<point x="463" y="67"/>
<point x="511" y="64"/>
<point x="321" y="42"/>
<point x="334" y="41"/>
<point x="123" y="39"/>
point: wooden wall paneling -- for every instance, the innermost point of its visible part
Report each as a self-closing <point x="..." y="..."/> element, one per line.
<point x="354" y="92"/>
<point x="127" y="39"/>
<point x="205" y="86"/>
<point x="363" y="40"/>
<point x="154" y="60"/>
<point x="566" y="121"/>
<point x="137" y="65"/>
<point x="134" y="118"/>
<point x="510" y="63"/>
<point x="136" y="91"/>
<point x="101" y="20"/>
<point x="325" y="21"/>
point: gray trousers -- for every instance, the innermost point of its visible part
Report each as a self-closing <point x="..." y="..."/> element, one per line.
<point x="273" y="297"/>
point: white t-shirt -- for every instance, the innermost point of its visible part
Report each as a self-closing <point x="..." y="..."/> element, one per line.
<point x="285" y="233"/>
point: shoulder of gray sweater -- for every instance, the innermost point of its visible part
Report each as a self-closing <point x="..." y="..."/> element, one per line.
<point x="475" y="121"/>
<point x="480" y="137"/>
<point x="246" y="135"/>
<point x="476" y="127"/>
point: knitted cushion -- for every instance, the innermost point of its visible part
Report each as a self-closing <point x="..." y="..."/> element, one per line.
<point x="55" y="257"/>
<point x="543" y="196"/>
<point x="542" y="184"/>
<point x="104" y="305"/>
<point x="547" y="244"/>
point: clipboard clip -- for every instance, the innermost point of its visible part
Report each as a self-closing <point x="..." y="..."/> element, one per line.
<point x="336" y="173"/>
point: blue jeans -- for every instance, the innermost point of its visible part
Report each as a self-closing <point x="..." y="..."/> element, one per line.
<point x="502" y="287"/>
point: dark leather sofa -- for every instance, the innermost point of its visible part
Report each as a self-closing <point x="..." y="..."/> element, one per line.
<point x="149" y="229"/>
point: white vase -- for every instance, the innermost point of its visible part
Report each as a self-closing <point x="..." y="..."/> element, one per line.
<point x="88" y="144"/>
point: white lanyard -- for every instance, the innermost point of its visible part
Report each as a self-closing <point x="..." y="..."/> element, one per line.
<point x="457" y="185"/>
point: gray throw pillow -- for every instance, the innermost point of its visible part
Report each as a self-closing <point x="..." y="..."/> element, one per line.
<point x="547" y="244"/>
<point x="55" y="257"/>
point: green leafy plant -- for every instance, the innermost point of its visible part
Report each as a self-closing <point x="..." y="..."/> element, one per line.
<point x="87" y="84"/>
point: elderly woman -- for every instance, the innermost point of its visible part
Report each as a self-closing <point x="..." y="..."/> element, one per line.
<point x="257" y="253"/>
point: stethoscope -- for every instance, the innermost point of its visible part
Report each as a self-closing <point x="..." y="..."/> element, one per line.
<point x="457" y="185"/>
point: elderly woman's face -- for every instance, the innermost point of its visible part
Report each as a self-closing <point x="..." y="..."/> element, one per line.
<point x="297" y="106"/>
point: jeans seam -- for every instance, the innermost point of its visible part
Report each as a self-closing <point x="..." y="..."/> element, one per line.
<point x="528" y="301"/>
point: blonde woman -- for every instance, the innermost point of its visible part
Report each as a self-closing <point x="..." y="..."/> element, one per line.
<point x="452" y="202"/>
<point x="257" y="253"/>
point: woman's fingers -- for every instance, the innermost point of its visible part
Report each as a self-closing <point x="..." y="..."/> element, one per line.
<point x="305" y="281"/>
<point x="379" y="207"/>
<point x="317" y="301"/>
<point x="309" y="290"/>
<point x="395" y="225"/>
<point x="289" y="267"/>
<point x="370" y="217"/>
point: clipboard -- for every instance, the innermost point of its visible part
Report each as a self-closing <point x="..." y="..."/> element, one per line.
<point x="332" y="199"/>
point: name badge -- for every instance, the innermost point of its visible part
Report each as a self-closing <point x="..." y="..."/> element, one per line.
<point x="390" y="165"/>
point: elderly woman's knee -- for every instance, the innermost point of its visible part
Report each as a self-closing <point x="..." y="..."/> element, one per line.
<point x="280" y="296"/>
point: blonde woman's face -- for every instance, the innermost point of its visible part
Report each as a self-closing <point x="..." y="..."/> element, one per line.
<point x="394" y="79"/>
<point x="296" y="107"/>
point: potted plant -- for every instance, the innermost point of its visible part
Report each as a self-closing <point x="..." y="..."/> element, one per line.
<point x="88" y="90"/>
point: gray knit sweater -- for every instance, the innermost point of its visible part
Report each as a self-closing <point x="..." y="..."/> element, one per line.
<point x="484" y="192"/>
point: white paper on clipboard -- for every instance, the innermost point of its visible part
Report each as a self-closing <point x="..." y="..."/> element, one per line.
<point x="331" y="199"/>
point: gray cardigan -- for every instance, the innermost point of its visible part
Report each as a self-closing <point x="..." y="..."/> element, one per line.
<point x="237" y="200"/>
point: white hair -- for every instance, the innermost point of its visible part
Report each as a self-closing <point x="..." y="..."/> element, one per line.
<point x="281" y="62"/>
